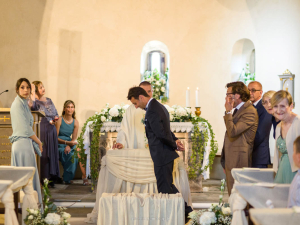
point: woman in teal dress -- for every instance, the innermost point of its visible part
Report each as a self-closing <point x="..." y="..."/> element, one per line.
<point x="286" y="133"/>
<point x="67" y="129"/>
<point x="24" y="141"/>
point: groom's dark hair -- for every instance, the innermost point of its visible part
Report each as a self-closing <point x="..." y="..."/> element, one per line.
<point x="135" y="92"/>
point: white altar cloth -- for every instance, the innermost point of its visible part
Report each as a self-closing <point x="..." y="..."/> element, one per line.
<point x="127" y="171"/>
<point x="22" y="179"/>
<point x="7" y="198"/>
<point x="177" y="127"/>
<point x="141" y="209"/>
<point x="275" y="216"/>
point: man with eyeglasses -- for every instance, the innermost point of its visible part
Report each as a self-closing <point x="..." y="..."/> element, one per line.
<point x="261" y="150"/>
<point x="241" y="127"/>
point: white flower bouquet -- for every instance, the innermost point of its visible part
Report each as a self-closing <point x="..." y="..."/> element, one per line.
<point x="180" y="114"/>
<point x="51" y="215"/>
<point x="114" y="114"/>
<point x="159" y="84"/>
<point x="217" y="214"/>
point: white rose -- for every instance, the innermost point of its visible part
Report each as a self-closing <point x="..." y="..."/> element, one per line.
<point x="113" y="112"/>
<point x="66" y="215"/>
<point x="163" y="81"/>
<point x="52" y="218"/>
<point x="30" y="217"/>
<point x="110" y="117"/>
<point x="157" y="89"/>
<point x="103" y="118"/>
<point x="157" y="83"/>
<point x="162" y="89"/>
<point x="31" y="211"/>
<point x="180" y="112"/>
<point x="36" y="212"/>
<point x="46" y="181"/>
<point x="220" y="196"/>
<point x="189" y="111"/>
<point x="171" y="117"/>
<point x="208" y="218"/>
<point x="226" y="211"/>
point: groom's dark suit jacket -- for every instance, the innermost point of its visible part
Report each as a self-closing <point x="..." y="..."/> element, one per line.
<point x="161" y="140"/>
<point x="261" y="150"/>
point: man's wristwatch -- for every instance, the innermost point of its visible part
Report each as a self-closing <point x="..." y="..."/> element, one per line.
<point x="227" y="112"/>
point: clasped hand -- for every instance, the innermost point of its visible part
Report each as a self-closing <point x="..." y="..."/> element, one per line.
<point x="67" y="149"/>
<point x="180" y="146"/>
<point x="117" y="145"/>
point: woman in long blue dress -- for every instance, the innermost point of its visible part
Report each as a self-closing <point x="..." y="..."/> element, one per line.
<point x="286" y="133"/>
<point x="24" y="141"/>
<point x="67" y="129"/>
<point x="49" y="159"/>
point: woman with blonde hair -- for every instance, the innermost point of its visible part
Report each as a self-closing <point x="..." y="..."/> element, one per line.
<point x="49" y="159"/>
<point x="286" y="133"/>
<point x="266" y="102"/>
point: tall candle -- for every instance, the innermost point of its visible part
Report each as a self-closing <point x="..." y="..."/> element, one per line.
<point x="187" y="98"/>
<point x="197" y="97"/>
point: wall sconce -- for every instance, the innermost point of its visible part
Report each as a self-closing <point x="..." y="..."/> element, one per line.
<point x="287" y="82"/>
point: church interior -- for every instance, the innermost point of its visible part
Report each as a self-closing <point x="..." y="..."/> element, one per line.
<point x="92" y="52"/>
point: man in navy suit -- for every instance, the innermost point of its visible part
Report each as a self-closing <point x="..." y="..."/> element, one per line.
<point x="162" y="142"/>
<point x="261" y="150"/>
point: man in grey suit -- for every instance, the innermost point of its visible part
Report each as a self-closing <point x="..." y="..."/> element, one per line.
<point x="241" y="126"/>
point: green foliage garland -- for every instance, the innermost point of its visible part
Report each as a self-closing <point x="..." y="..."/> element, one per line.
<point x="200" y="139"/>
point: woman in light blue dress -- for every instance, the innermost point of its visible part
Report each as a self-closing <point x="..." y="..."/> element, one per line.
<point x="67" y="126"/>
<point x="24" y="141"/>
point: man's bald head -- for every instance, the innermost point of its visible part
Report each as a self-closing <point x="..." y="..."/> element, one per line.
<point x="147" y="87"/>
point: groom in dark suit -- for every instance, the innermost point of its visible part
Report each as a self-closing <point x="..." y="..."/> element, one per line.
<point x="161" y="140"/>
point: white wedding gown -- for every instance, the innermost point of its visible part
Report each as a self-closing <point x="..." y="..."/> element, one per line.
<point x="131" y="169"/>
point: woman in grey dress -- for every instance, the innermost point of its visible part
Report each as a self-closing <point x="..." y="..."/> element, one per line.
<point x="24" y="141"/>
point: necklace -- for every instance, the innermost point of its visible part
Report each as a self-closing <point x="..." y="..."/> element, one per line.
<point x="68" y="122"/>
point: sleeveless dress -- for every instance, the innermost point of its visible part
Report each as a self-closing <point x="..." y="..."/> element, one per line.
<point x="284" y="174"/>
<point x="65" y="132"/>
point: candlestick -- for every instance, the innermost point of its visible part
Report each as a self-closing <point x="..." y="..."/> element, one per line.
<point x="198" y="112"/>
<point x="197" y="97"/>
<point x="187" y="99"/>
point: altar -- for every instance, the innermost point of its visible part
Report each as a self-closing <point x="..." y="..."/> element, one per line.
<point x="182" y="130"/>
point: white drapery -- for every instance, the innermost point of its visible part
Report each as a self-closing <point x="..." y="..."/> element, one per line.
<point x="139" y="209"/>
<point x="7" y="198"/>
<point x="120" y="166"/>
<point x="22" y="179"/>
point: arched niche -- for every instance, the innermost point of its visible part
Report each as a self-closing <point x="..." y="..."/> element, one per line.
<point x="243" y="52"/>
<point x="155" y="48"/>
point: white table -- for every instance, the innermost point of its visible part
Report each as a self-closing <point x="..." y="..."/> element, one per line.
<point x="140" y="209"/>
<point x="7" y="198"/>
<point x="22" y="179"/>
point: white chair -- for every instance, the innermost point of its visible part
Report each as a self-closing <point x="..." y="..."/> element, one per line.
<point x="7" y="198"/>
<point x="22" y="179"/>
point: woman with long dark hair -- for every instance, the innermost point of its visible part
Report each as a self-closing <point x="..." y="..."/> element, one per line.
<point x="24" y="141"/>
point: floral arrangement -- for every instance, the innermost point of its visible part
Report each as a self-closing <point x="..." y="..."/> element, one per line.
<point x="52" y="215"/>
<point x="246" y="76"/>
<point x="159" y="84"/>
<point x="218" y="214"/>
<point x="114" y="114"/>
